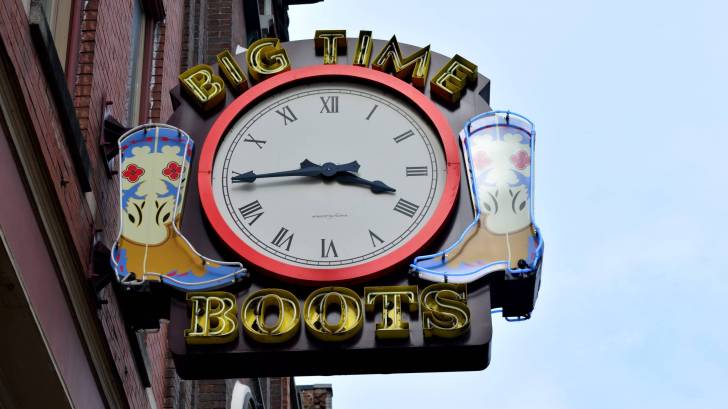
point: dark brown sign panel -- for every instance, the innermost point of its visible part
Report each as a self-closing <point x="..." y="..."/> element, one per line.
<point x="362" y="354"/>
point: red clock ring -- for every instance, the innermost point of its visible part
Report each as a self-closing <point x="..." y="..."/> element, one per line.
<point x="361" y="272"/>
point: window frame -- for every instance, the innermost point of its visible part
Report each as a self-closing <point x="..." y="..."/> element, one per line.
<point x="64" y="22"/>
<point x="146" y="73"/>
<point x="140" y="67"/>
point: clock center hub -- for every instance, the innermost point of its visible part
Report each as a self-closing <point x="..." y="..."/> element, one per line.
<point x="329" y="169"/>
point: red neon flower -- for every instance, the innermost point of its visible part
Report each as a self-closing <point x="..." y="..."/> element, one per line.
<point x="172" y="170"/>
<point x="521" y="160"/>
<point x="132" y="173"/>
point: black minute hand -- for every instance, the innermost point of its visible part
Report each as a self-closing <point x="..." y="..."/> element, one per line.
<point x="307" y="168"/>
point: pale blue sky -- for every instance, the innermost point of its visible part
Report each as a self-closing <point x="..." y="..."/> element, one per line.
<point x="629" y="100"/>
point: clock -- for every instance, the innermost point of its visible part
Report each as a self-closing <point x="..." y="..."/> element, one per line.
<point x="329" y="174"/>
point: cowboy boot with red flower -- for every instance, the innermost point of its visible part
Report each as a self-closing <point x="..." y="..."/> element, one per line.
<point x="498" y="158"/>
<point x="155" y="162"/>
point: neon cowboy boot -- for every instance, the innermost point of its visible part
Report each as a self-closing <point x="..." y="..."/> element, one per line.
<point x="154" y="167"/>
<point x="498" y="148"/>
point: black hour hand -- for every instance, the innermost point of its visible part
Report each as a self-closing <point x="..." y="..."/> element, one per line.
<point x="376" y="186"/>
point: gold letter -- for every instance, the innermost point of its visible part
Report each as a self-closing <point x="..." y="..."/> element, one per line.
<point x="452" y="78"/>
<point x="266" y="58"/>
<point x="445" y="311"/>
<point x="345" y="301"/>
<point x="329" y="43"/>
<point x="284" y="306"/>
<point x="391" y="299"/>
<point x="364" y="47"/>
<point x="213" y="318"/>
<point x="413" y="68"/>
<point x="231" y="71"/>
<point x="203" y="86"/>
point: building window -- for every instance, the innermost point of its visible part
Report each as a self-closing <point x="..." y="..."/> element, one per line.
<point x="142" y="33"/>
<point x="58" y="15"/>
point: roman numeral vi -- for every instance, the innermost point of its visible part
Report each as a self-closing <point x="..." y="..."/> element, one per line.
<point x="326" y="251"/>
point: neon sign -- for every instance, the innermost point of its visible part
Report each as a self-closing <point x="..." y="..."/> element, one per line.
<point x="272" y="316"/>
<point x="266" y="58"/>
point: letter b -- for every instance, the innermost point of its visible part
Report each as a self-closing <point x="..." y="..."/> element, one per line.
<point x="213" y="318"/>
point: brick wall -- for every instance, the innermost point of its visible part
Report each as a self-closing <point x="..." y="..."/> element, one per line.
<point x="101" y="77"/>
<point x="211" y="394"/>
<point x="166" y="60"/>
<point x="212" y="26"/>
<point x="179" y="394"/>
<point x="192" y="42"/>
<point x="172" y="53"/>
<point x="219" y="28"/>
<point x="165" y="65"/>
<point x="45" y="123"/>
<point x="280" y="393"/>
<point x="158" y="354"/>
<point x="121" y="350"/>
<point x="157" y="75"/>
<point x="105" y="50"/>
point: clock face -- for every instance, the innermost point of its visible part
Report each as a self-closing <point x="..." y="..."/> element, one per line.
<point x="330" y="223"/>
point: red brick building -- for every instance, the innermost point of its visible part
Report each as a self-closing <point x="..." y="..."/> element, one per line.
<point x="73" y="73"/>
<point x="317" y="396"/>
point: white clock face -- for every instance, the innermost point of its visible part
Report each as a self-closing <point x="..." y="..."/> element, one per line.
<point x="320" y="222"/>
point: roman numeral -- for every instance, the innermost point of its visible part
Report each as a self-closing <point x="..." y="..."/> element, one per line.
<point x="287" y="114"/>
<point x="252" y="210"/>
<point x="282" y="238"/>
<point x="400" y="138"/>
<point x="372" y="112"/>
<point x="258" y="142"/>
<point x="406" y="208"/>
<point x="326" y="251"/>
<point x="373" y="237"/>
<point x="416" y="171"/>
<point x="331" y="105"/>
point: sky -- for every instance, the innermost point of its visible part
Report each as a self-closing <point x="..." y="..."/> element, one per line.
<point x="630" y="199"/>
